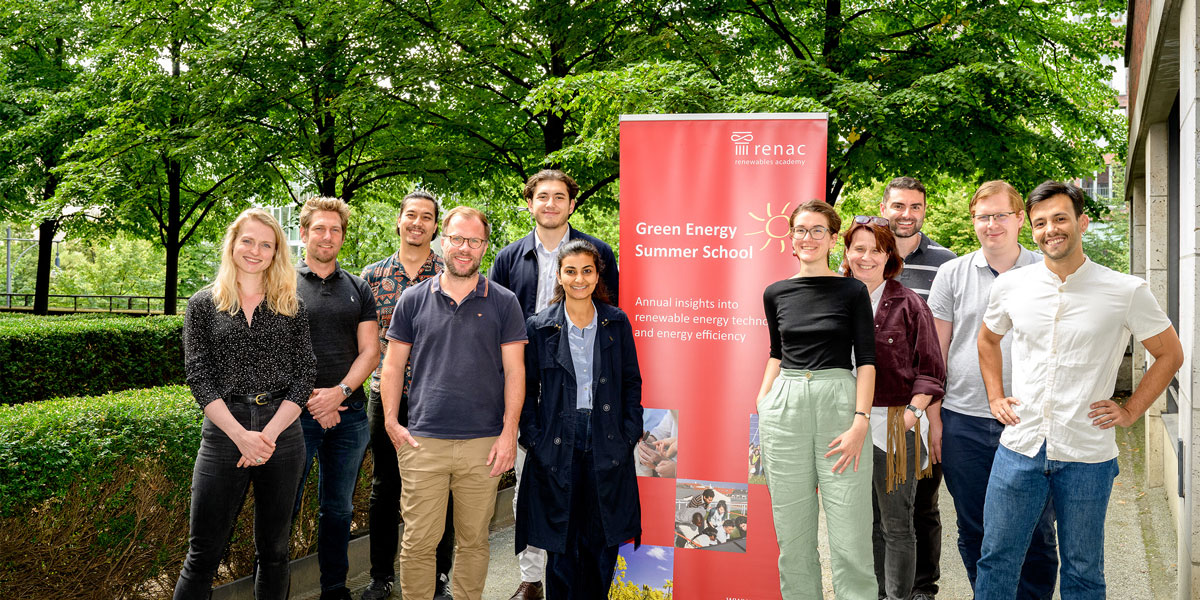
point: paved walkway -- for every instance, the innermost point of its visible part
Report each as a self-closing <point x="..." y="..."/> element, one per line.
<point x="1139" y="544"/>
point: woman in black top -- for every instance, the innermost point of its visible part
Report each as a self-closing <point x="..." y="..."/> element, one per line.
<point x="251" y="368"/>
<point x="814" y="413"/>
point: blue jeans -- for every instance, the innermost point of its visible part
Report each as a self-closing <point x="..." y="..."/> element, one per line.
<point x="341" y="450"/>
<point x="968" y="447"/>
<point x="218" y="490"/>
<point x="1017" y="490"/>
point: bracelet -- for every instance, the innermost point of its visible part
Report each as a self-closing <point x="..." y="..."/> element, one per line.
<point x="864" y="415"/>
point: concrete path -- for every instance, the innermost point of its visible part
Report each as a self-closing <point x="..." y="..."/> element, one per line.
<point x="1139" y="543"/>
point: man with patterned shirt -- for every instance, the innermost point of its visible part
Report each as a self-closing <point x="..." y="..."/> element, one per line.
<point x="413" y="263"/>
<point x="904" y="207"/>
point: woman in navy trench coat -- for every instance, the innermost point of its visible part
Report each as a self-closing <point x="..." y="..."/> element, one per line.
<point x="579" y="497"/>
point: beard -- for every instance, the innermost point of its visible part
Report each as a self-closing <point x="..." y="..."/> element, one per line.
<point x="462" y="271"/>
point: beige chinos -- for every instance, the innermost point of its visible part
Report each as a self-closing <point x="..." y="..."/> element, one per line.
<point x="798" y="418"/>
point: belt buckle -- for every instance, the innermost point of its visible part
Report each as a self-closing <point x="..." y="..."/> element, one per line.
<point x="261" y="398"/>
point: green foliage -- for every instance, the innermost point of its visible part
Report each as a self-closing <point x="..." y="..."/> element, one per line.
<point x="95" y="493"/>
<point x="47" y="357"/>
<point x="46" y="446"/>
<point x="1107" y="239"/>
<point x="165" y="118"/>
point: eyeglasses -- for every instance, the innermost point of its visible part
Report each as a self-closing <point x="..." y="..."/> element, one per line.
<point x="872" y="220"/>
<point x="457" y="240"/>
<point x="817" y="233"/>
<point x="999" y="218"/>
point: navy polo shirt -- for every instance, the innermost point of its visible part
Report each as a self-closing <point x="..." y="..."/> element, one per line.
<point x="336" y="306"/>
<point x="457" y="389"/>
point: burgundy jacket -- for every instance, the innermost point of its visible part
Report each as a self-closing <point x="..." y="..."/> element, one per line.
<point x="908" y="359"/>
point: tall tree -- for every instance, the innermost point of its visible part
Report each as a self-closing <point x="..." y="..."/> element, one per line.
<point x="319" y="65"/>
<point x="174" y="146"/>
<point x="468" y="67"/>
<point x="1012" y="90"/>
<point x="39" y="117"/>
<point x="978" y="90"/>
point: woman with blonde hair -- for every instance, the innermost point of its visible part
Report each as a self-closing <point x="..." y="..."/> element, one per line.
<point x="250" y="366"/>
<point x="814" y="413"/>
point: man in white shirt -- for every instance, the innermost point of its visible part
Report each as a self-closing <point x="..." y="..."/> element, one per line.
<point x="969" y="435"/>
<point x="1071" y="320"/>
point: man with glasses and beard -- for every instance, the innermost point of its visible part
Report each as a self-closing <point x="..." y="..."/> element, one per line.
<point x="465" y="336"/>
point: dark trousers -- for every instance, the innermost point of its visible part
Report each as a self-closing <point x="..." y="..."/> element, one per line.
<point x="893" y="539"/>
<point x="968" y="449"/>
<point x="585" y="570"/>
<point x="927" y="522"/>
<point x="340" y="450"/>
<point x="384" y="514"/>
<point x="219" y="487"/>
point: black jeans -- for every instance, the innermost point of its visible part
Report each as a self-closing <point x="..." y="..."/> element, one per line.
<point x="894" y="538"/>
<point x="384" y="515"/>
<point x="927" y="521"/>
<point x="219" y="487"/>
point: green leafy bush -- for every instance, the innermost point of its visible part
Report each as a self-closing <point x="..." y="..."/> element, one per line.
<point x="95" y="493"/>
<point x="46" y="447"/>
<point x="49" y="357"/>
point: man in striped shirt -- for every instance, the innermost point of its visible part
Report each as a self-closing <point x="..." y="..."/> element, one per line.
<point x="904" y="207"/>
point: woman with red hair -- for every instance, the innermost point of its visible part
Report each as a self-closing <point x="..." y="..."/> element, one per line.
<point x="909" y="376"/>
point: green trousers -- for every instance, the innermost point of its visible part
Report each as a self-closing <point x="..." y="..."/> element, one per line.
<point x="798" y="418"/>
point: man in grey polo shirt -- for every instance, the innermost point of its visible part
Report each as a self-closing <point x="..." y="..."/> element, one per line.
<point x="970" y="434"/>
<point x="465" y="336"/>
<point x="342" y="322"/>
<point x="904" y="207"/>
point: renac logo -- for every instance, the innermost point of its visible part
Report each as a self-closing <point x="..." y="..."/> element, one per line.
<point x="742" y="146"/>
<point x="741" y="142"/>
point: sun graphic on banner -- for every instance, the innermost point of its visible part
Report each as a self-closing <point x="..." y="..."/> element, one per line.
<point x="775" y="226"/>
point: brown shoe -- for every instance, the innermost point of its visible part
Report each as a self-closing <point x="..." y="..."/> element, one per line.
<point x="528" y="590"/>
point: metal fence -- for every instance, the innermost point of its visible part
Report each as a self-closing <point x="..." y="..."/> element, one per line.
<point x="93" y="303"/>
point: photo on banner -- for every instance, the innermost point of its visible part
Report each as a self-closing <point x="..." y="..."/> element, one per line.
<point x="711" y="515"/>
<point x="647" y="572"/>
<point x="705" y="201"/>
<point x="754" y="454"/>
<point x="657" y="453"/>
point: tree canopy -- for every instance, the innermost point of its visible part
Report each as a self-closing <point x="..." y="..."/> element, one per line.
<point x="163" y="117"/>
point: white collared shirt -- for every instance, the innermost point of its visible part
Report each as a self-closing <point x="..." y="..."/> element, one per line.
<point x="1068" y="340"/>
<point x="547" y="277"/>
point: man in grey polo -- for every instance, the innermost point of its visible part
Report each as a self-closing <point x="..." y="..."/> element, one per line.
<point x="970" y="434"/>
<point x="465" y="336"/>
<point x="904" y="206"/>
<point x="342" y="322"/>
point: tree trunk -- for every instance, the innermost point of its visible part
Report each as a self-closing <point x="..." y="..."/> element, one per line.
<point x="171" y="236"/>
<point x="41" y="291"/>
<point x="833" y="188"/>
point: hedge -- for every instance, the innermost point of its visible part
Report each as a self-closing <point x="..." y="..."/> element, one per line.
<point x="95" y="492"/>
<point x="50" y="357"/>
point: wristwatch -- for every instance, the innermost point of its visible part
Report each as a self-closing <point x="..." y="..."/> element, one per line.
<point x="865" y="415"/>
<point x="346" y="391"/>
<point x="920" y="412"/>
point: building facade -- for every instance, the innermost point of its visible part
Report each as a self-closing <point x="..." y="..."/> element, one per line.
<point x="1162" y="49"/>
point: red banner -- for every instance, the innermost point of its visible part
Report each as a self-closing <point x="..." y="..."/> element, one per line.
<point x="704" y="206"/>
